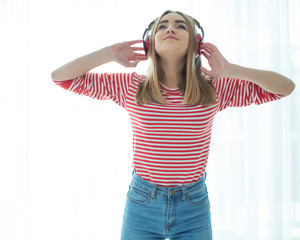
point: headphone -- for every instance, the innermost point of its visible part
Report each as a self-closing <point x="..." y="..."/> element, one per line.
<point x="146" y="36"/>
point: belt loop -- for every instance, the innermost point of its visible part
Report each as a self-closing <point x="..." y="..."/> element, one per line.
<point x="153" y="191"/>
<point x="183" y="197"/>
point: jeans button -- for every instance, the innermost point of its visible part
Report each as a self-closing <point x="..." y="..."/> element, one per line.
<point x="172" y="192"/>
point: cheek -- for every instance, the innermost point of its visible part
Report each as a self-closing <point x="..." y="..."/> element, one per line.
<point x="157" y="41"/>
<point x="187" y="44"/>
<point x="186" y="39"/>
<point x="157" y="37"/>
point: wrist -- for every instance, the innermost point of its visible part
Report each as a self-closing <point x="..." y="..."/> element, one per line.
<point x="234" y="71"/>
<point x="106" y="55"/>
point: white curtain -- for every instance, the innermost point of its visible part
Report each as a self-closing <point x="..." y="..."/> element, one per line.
<point x="65" y="160"/>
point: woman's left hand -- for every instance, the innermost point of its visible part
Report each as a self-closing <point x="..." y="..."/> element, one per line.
<point x="220" y="67"/>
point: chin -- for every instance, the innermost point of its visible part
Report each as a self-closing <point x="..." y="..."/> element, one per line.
<point x="174" y="53"/>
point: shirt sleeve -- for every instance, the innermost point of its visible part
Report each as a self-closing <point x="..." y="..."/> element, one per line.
<point x="102" y="86"/>
<point x="238" y="93"/>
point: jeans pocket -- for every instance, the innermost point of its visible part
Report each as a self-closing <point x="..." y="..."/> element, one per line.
<point x="197" y="197"/>
<point x="138" y="194"/>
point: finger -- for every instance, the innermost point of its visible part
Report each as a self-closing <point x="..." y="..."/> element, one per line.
<point x="137" y="56"/>
<point x="205" y="71"/>
<point x="133" y="63"/>
<point x="210" y="45"/>
<point x="137" y="48"/>
<point x="205" y="54"/>
<point x="140" y="55"/>
<point x="212" y="48"/>
<point x="134" y="42"/>
<point x="207" y="78"/>
<point x="207" y="51"/>
<point x="207" y="48"/>
<point x="142" y="58"/>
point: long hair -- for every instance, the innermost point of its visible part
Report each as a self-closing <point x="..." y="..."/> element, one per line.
<point x="194" y="87"/>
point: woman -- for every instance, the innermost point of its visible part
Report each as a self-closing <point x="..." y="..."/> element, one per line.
<point x="171" y="110"/>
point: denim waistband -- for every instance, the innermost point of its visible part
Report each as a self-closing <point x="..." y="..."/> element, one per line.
<point x="167" y="191"/>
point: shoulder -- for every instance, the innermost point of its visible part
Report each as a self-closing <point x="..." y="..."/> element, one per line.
<point x="137" y="78"/>
<point x="140" y="77"/>
<point x="227" y="83"/>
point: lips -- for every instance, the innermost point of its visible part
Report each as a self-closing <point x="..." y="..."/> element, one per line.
<point x="170" y="37"/>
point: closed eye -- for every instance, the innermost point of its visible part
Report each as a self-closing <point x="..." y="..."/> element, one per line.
<point x="182" y="27"/>
<point x="161" y="26"/>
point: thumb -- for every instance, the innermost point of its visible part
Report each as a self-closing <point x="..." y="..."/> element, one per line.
<point x="205" y="71"/>
<point x="133" y="63"/>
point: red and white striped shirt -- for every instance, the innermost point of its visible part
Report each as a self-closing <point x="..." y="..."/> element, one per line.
<point x="170" y="142"/>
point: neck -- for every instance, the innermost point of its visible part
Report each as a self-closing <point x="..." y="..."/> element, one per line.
<point x="171" y="68"/>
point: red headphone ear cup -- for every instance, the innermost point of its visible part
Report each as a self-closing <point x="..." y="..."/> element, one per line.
<point x="197" y="47"/>
<point x="147" y="45"/>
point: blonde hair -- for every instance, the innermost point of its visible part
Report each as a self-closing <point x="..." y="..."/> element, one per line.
<point x="194" y="87"/>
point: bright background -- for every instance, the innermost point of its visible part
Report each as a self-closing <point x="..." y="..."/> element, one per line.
<point x="65" y="160"/>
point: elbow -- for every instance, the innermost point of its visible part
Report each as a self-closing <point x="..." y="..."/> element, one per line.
<point x="54" y="75"/>
<point x="286" y="86"/>
<point x="290" y="88"/>
<point x="58" y="75"/>
<point x="293" y="86"/>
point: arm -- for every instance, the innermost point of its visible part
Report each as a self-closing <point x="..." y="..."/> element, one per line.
<point x="267" y="80"/>
<point x="123" y="53"/>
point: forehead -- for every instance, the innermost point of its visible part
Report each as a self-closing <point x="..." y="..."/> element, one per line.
<point x="173" y="16"/>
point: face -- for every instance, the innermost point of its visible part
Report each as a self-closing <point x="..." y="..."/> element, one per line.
<point x="172" y="36"/>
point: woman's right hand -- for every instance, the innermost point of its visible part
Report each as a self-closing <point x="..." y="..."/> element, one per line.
<point x="126" y="55"/>
<point x="122" y="53"/>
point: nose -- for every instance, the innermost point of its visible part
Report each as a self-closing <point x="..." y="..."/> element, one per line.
<point x="171" y="28"/>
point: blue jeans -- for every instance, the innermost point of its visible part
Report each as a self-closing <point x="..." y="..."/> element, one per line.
<point x="178" y="213"/>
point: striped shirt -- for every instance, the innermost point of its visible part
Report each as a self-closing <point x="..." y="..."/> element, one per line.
<point x="170" y="142"/>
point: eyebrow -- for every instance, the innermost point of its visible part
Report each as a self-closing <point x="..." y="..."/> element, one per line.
<point x="176" y="21"/>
